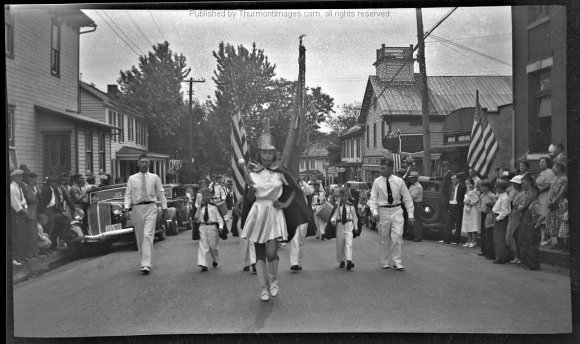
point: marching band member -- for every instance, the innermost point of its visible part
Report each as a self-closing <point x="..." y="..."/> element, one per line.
<point x="273" y="209"/>
<point x="297" y="242"/>
<point x="208" y="230"/>
<point x="346" y="222"/>
<point x="318" y="201"/>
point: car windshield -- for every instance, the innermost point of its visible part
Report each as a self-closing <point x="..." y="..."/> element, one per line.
<point x="101" y="195"/>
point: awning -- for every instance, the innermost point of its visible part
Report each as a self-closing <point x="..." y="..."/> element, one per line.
<point x="419" y="155"/>
<point x="130" y="153"/>
<point x="371" y="168"/>
<point x="74" y="117"/>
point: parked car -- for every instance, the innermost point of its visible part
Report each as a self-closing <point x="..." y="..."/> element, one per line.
<point x="180" y="214"/>
<point x="106" y="220"/>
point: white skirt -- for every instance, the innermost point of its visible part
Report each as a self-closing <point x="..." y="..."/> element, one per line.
<point x="264" y="222"/>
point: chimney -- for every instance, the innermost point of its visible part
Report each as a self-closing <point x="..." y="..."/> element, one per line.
<point x="112" y="90"/>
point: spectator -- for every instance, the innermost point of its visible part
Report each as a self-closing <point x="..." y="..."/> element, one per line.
<point x="557" y="194"/>
<point x="50" y="203"/>
<point x="31" y="234"/>
<point x="501" y="210"/>
<point x="416" y="192"/>
<point x="487" y="200"/>
<point x="18" y="215"/>
<point x="118" y="180"/>
<point x="515" y="217"/>
<point x="559" y="155"/>
<point x="471" y="221"/>
<point x="552" y="152"/>
<point x="473" y="175"/>
<point x="455" y="210"/>
<point x="524" y="168"/>
<point x="564" y="233"/>
<point x="529" y="230"/>
<point x="543" y="182"/>
<point x="108" y="180"/>
<point x="78" y="193"/>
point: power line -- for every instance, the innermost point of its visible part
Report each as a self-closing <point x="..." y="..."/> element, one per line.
<point x="155" y="22"/>
<point x="147" y="40"/>
<point x="123" y="32"/>
<point x="444" y="40"/>
<point x="116" y="33"/>
<point x="474" y="37"/>
<point x="471" y="59"/>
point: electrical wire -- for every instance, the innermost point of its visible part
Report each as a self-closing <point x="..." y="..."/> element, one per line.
<point x="446" y="44"/>
<point x="123" y="32"/>
<point x="155" y="22"/>
<point x="444" y="40"/>
<point x="116" y="33"/>
<point x="146" y="39"/>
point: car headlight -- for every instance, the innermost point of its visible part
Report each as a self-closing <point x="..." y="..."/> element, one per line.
<point x="117" y="210"/>
<point x="428" y="210"/>
<point x="78" y="214"/>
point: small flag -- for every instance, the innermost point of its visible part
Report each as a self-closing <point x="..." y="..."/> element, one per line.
<point x="483" y="147"/>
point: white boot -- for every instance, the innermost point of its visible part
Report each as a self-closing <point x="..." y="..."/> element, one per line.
<point x="262" y="271"/>
<point x="273" y="277"/>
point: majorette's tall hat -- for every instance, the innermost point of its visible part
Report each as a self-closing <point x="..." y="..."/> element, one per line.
<point x="265" y="142"/>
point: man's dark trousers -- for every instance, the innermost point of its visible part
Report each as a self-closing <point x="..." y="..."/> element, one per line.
<point x="454" y="218"/>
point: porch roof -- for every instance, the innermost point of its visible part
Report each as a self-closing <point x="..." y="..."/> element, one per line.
<point x="77" y="117"/>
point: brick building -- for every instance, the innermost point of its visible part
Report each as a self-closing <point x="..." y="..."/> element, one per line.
<point x="46" y="129"/>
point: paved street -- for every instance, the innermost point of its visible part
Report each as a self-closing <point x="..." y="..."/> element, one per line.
<point x="444" y="289"/>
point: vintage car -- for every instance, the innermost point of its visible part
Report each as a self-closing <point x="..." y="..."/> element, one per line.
<point x="178" y="206"/>
<point x="106" y="220"/>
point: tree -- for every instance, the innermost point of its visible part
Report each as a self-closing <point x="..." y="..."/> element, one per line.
<point x="347" y="118"/>
<point x="154" y="89"/>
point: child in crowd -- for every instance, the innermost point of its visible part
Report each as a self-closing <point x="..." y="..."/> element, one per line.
<point x="346" y="221"/>
<point x="501" y="209"/>
<point x="211" y="222"/>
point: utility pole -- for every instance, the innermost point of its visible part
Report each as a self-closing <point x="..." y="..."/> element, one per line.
<point x="190" y="122"/>
<point x="424" y="96"/>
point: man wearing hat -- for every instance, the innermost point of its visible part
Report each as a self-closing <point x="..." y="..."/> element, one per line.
<point x="416" y="192"/>
<point x="318" y="201"/>
<point x="143" y="190"/>
<point x="18" y="214"/>
<point x="454" y="210"/>
<point x="31" y="195"/>
<point x="51" y="203"/>
<point x="387" y="195"/>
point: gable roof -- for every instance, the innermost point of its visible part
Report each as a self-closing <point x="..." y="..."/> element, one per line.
<point x="446" y="94"/>
<point x="108" y="100"/>
<point x="352" y="131"/>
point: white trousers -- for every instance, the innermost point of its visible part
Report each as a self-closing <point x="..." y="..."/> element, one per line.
<point x="208" y="241"/>
<point x="248" y="252"/>
<point x="344" y="241"/>
<point x="320" y="223"/>
<point x="390" y="228"/>
<point x="144" y="218"/>
<point x="296" y="245"/>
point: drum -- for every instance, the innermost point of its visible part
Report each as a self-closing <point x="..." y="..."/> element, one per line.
<point x="222" y="207"/>
<point x="325" y="211"/>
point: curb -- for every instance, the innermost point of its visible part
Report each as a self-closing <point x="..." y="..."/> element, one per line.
<point x="36" y="265"/>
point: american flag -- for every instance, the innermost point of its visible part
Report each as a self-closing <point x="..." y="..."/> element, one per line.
<point x="396" y="162"/>
<point x="483" y="148"/>
<point x="239" y="148"/>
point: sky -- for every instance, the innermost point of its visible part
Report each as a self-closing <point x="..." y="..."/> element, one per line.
<point x="340" y="45"/>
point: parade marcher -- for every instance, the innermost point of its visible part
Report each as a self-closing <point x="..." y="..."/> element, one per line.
<point x="31" y="196"/>
<point x="18" y="216"/>
<point x="487" y="200"/>
<point x="416" y="192"/>
<point x="455" y="210"/>
<point x="202" y="183"/>
<point x="296" y="244"/>
<point x="387" y="195"/>
<point x="211" y="223"/>
<point x="143" y="190"/>
<point x="501" y="209"/>
<point x="248" y="249"/>
<point x="318" y="201"/>
<point x="273" y="209"/>
<point x="51" y="203"/>
<point x="543" y="182"/>
<point x="346" y="221"/>
<point x="471" y="221"/>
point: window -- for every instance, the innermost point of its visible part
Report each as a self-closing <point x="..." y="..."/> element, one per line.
<point x="9" y="33"/>
<point x="358" y="146"/>
<point x="113" y="121"/>
<point x="375" y="135"/>
<point x="55" y="49"/>
<point x="382" y="129"/>
<point x="121" y="124"/>
<point x="102" y="161"/>
<point x="10" y="125"/>
<point x="89" y="150"/>
<point x="537" y="12"/>
<point x="411" y="143"/>
<point x="312" y="164"/>
<point x="352" y="148"/>
<point x="368" y="138"/>
<point x="56" y="153"/>
<point x="130" y="129"/>
<point x="540" y="110"/>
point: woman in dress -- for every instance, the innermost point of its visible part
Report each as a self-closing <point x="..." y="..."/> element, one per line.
<point x="529" y="230"/>
<point x="557" y="194"/>
<point x="471" y="217"/>
<point x="272" y="210"/>
<point x="543" y="181"/>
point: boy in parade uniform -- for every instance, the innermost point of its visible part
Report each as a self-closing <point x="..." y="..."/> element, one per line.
<point x="318" y="200"/>
<point x="211" y="222"/>
<point x="346" y="222"/>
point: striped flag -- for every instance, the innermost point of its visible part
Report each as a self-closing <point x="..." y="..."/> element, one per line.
<point x="396" y="162"/>
<point x="483" y="147"/>
<point x="239" y="148"/>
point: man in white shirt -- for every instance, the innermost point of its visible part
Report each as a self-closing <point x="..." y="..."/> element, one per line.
<point x="501" y="210"/>
<point x="416" y="192"/>
<point x="318" y="201"/>
<point x="298" y="241"/>
<point x="144" y="189"/>
<point x="387" y="194"/>
<point x="19" y="211"/>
